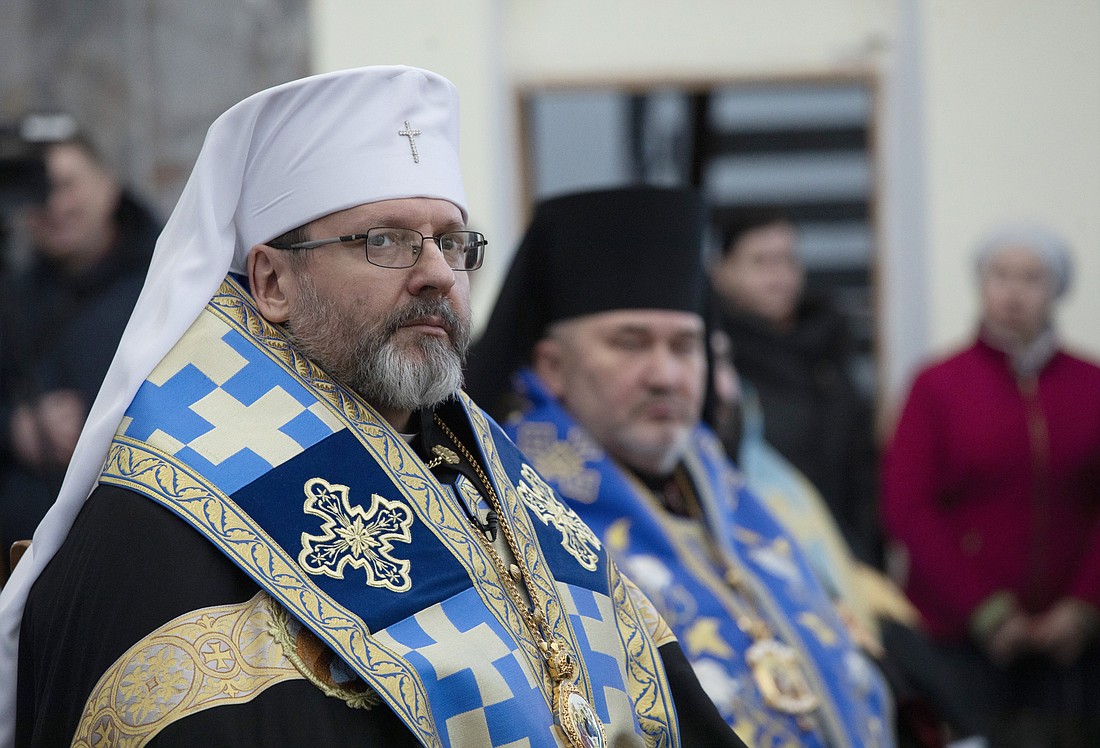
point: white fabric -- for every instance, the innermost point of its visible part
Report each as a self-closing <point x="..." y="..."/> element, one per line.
<point x="275" y="161"/>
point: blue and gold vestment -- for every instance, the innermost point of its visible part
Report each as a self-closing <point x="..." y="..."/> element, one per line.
<point x="683" y="567"/>
<point x="326" y="507"/>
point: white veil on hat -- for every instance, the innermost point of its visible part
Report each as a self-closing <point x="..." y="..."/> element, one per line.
<point x="273" y="162"/>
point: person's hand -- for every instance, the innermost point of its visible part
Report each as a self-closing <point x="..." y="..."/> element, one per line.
<point x="44" y="433"/>
<point x="26" y="442"/>
<point x="1065" y="630"/>
<point x="61" y="414"/>
<point x="1010" y="639"/>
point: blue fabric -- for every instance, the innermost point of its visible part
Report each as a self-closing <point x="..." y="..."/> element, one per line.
<point x="328" y="509"/>
<point x="685" y="578"/>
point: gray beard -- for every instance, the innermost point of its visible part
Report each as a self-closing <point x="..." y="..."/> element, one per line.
<point x="365" y="357"/>
<point x="650" y="461"/>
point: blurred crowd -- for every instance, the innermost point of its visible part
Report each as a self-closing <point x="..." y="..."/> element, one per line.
<point x="983" y="503"/>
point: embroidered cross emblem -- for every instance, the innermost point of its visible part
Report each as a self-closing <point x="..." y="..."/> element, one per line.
<point x="410" y="133"/>
<point x="576" y="537"/>
<point x="218" y="655"/>
<point x="565" y="462"/>
<point x="356" y="537"/>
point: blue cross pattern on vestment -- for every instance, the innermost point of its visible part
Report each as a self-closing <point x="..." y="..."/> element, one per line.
<point x="584" y="601"/>
<point x="495" y="698"/>
<point x="258" y="417"/>
<point x="470" y="705"/>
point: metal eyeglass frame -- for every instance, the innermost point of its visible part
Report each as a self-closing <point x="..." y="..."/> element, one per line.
<point x="478" y="244"/>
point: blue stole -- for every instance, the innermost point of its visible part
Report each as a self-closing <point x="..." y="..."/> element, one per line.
<point x="796" y="503"/>
<point x="677" y="568"/>
<point x="303" y="486"/>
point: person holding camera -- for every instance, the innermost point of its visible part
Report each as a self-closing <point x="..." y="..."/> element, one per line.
<point x="62" y="313"/>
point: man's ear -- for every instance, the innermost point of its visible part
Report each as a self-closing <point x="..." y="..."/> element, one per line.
<point x="272" y="282"/>
<point x="546" y="359"/>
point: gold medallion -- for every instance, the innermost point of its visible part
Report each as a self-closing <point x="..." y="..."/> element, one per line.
<point x="780" y="678"/>
<point x="575" y="717"/>
<point x="578" y="719"/>
<point x="559" y="662"/>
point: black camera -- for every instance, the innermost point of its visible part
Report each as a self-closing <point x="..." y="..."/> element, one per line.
<point x="22" y="157"/>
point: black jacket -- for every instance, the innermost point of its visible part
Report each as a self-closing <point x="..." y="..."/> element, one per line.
<point x="813" y="413"/>
<point x="60" y="332"/>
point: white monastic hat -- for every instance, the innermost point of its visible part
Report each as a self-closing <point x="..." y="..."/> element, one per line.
<point x="273" y="162"/>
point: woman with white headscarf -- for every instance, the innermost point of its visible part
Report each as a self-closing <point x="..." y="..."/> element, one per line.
<point x="992" y="486"/>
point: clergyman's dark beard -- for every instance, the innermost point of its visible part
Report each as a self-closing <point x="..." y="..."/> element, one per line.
<point x="366" y="357"/>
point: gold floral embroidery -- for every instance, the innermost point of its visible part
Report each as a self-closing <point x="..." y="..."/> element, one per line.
<point x="562" y="461"/>
<point x="576" y="537"/>
<point x="649" y="690"/>
<point x="206" y="658"/>
<point x="354" y="536"/>
<point x="659" y="629"/>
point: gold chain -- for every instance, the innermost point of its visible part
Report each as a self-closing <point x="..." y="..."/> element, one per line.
<point x="750" y="619"/>
<point x="533" y="617"/>
<point x="568" y="702"/>
<point x="443" y="456"/>
<point x="777" y="668"/>
<point x="743" y="597"/>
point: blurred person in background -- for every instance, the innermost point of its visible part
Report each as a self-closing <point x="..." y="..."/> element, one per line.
<point x="793" y="347"/>
<point x="602" y="322"/>
<point x="878" y="614"/>
<point x="284" y="523"/>
<point x="61" y="317"/>
<point x="991" y="485"/>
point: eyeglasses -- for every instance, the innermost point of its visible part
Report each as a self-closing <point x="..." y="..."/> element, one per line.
<point x="401" y="248"/>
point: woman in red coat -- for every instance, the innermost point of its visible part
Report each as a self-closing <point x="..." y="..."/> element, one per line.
<point x="992" y="486"/>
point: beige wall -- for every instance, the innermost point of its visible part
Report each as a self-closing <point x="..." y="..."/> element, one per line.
<point x="646" y="39"/>
<point x="989" y="108"/>
<point x="1013" y="131"/>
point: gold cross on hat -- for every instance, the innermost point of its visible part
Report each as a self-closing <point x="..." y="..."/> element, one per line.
<point x="409" y="133"/>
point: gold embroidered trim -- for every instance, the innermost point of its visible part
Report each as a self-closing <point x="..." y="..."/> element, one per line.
<point x="659" y="629"/>
<point x="203" y="659"/>
<point x="576" y="537"/>
<point x="356" y="694"/>
<point x="140" y="468"/>
<point x="646" y="681"/>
